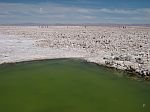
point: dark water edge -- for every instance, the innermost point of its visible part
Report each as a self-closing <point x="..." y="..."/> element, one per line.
<point x="127" y="74"/>
<point x="69" y="85"/>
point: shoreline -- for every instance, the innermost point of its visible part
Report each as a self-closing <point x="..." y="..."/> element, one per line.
<point x="112" y="47"/>
<point x="130" y="75"/>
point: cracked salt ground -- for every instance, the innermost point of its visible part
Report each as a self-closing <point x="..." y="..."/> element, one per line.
<point x="127" y="49"/>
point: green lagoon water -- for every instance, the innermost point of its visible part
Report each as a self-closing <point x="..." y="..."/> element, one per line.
<point x="67" y="85"/>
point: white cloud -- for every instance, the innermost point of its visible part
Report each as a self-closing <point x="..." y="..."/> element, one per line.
<point x="118" y="11"/>
<point x="41" y="10"/>
<point x="48" y="11"/>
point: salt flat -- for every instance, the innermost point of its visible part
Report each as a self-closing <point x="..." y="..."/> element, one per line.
<point x="122" y="48"/>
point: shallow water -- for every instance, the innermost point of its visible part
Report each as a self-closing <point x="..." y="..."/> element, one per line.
<point x="67" y="85"/>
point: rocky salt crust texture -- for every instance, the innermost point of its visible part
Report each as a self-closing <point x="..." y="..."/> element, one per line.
<point x="126" y="48"/>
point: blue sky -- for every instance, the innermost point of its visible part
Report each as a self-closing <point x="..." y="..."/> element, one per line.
<point x="75" y="11"/>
